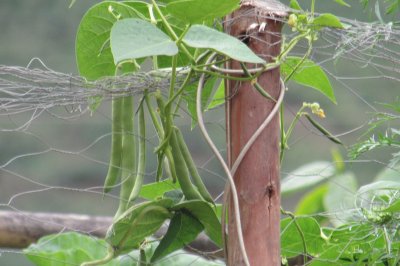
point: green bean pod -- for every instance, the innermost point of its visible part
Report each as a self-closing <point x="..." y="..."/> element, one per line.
<point x="166" y="121"/>
<point x="198" y="182"/>
<point x="323" y="130"/>
<point x="128" y="154"/>
<point x="116" y="146"/>
<point x="160" y="133"/>
<point x="182" y="172"/>
<point x="141" y="158"/>
<point x="167" y="159"/>
<point x="171" y="164"/>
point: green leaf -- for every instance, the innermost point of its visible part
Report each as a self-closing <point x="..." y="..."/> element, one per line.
<point x="137" y="223"/>
<point x="340" y="197"/>
<point x="66" y="249"/>
<point x="342" y="2"/>
<point x="308" y="74"/>
<point x="218" y="98"/>
<point x="73" y="249"/>
<point x="393" y="7"/>
<point x="328" y="20"/>
<point x="177" y="258"/>
<point x="292" y="241"/>
<point x="140" y="7"/>
<point x="179" y="27"/>
<point x="351" y="243"/>
<point x="157" y="189"/>
<point x="182" y="230"/>
<point x="200" y="36"/>
<point x="295" y="5"/>
<point x="175" y="195"/>
<point x="394" y="207"/>
<point x="92" y="47"/>
<point x="307" y="176"/>
<point x="206" y="215"/>
<point x="312" y="202"/>
<point x="135" y="38"/>
<point x="197" y="11"/>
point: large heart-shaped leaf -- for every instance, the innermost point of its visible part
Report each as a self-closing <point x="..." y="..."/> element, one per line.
<point x="92" y="47"/>
<point x="182" y="230"/>
<point x="137" y="223"/>
<point x="197" y="11"/>
<point x="200" y="36"/>
<point x="206" y="215"/>
<point x="136" y="38"/>
<point x="308" y="74"/>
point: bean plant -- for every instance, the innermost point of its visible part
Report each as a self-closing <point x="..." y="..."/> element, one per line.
<point x="184" y="39"/>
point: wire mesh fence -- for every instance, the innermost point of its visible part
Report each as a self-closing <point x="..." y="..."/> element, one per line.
<point x="55" y="149"/>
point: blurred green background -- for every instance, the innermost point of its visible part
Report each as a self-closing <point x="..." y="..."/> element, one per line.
<point x="46" y="29"/>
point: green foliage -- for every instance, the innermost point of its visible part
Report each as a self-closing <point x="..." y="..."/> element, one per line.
<point x="381" y="138"/>
<point x="136" y="38"/>
<point x="73" y="249"/>
<point x="200" y="36"/>
<point x="328" y="20"/>
<point x="156" y="190"/>
<point x="93" y="52"/>
<point x="204" y="213"/>
<point x="197" y="11"/>
<point x="301" y="235"/>
<point x="312" y="202"/>
<point x="182" y="230"/>
<point x="362" y="218"/>
<point x="343" y="3"/>
<point x="66" y="249"/>
<point x="308" y="74"/>
<point x="218" y="97"/>
<point x="137" y="223"/>
<point x="391" y="5"/>
<point x="114" y="38"/>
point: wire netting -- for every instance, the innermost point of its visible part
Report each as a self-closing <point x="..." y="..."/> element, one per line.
<point x="54" y="149"/>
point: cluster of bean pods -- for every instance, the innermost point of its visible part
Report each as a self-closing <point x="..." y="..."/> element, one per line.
<point x="128" y="160"/>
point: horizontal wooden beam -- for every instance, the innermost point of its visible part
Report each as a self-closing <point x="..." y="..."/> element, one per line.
<point x="19" y="229"/>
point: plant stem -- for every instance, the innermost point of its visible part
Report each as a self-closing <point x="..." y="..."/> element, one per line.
<point x="171" y="31"/>
<point x="286" y="136"/>
<point x="312" y="8"/>
<point x="256" y="85"/>
<point x="303" y="239"/>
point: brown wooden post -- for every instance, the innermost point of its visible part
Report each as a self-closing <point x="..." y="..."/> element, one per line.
<point x="257" y="178"/>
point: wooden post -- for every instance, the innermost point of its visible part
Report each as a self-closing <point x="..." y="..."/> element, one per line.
<point x="257" y="178"/>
